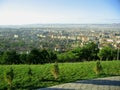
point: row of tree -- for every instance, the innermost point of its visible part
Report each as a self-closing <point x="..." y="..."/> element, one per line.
<point x="34" y="57"/>
<point x="88" y="52"/>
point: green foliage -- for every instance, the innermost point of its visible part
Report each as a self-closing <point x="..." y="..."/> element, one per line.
<point x="107" y="53"/>
<point x="98" y="68"/>
<point x="9" y="76"/>
<point x="30" y="74"/>
<point x="67" y="57"/>
<point x="42" y="77"/>
<point x="88" y="52"/>
<point x="34" y="57"/>
<point x="52" y="57"/>
<point x="10" y="57"/>
<point x="55" y="70"/>
<point x="23" y="58"/>
<point x="40" y="56"/>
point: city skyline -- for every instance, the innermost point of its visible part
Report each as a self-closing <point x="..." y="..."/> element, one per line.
<point x="17" y="12"/>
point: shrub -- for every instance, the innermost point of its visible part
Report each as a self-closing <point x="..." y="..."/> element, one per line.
<point x="30" y="73"/>
<point x="9" y="75"/>
<point x="98" y="68"/>
<point x="55" y="70"/>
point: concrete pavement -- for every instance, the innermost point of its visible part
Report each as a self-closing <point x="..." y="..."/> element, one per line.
<point x="108" y="83"/>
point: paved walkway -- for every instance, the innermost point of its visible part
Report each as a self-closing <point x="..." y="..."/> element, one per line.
<point x="109" y="83"/>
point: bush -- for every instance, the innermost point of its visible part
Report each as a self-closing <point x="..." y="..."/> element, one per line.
<point x="30" y="73"/>
<point x="9" y="75"/>
<point x="98" y="68"/>
<point x="55" y="70"/>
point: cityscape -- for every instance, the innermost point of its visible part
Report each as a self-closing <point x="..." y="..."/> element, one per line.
<point x="58" y="37"/>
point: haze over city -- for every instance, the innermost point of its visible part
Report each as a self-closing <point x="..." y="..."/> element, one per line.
<point x="17" y="12"/>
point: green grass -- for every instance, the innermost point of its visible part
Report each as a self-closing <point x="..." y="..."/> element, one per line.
<point x="42" y="76"/>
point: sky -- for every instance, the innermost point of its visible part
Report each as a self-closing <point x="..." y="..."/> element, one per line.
<point x="17" y="12"/>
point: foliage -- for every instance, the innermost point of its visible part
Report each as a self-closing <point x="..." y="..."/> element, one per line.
<point x="9" y="75"/>
<point x="23" y="58"/>
<point x="107" y="53"/>
<point x="30" y="71"/>
<point x="69" y="72"/>
<point x="52" y="57"/>
<point x="35" y="56"/>
<point x="67" y="57"/>
<point x="88" y="52"/>
<point x="10" y="57"/>
<point x="30" y="74"/>
<point x="98" y="68"/>
<point x="55" y="70"/>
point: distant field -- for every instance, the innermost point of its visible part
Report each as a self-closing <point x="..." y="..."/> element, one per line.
<point x="42" y="76"/>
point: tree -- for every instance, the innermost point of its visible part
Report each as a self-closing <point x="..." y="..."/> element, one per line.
<point x="87" y="52"/>
<point x="106" y="53"/>
<point x="34" y="57"/>
<point x="23" y="58"/>
<point x="52" y="56"/>
<point x="92" y="50"/>
<point x="78" y="52"/>
<point x="44" y="56"/>
<point x="10" y="57"/>
<point x="1" y="54"/>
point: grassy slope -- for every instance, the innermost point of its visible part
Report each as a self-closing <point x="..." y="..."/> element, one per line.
<point x="42" y="76"/>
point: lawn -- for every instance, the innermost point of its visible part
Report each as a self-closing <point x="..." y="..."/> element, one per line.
<point x="42" y="77"/>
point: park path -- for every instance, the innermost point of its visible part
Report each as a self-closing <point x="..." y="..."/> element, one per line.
<point x="108" y="83"/>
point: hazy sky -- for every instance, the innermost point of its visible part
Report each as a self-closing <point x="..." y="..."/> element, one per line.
<point x="59" y="11"/>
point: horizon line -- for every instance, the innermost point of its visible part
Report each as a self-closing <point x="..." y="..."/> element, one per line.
<point x="55" y="24"/>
